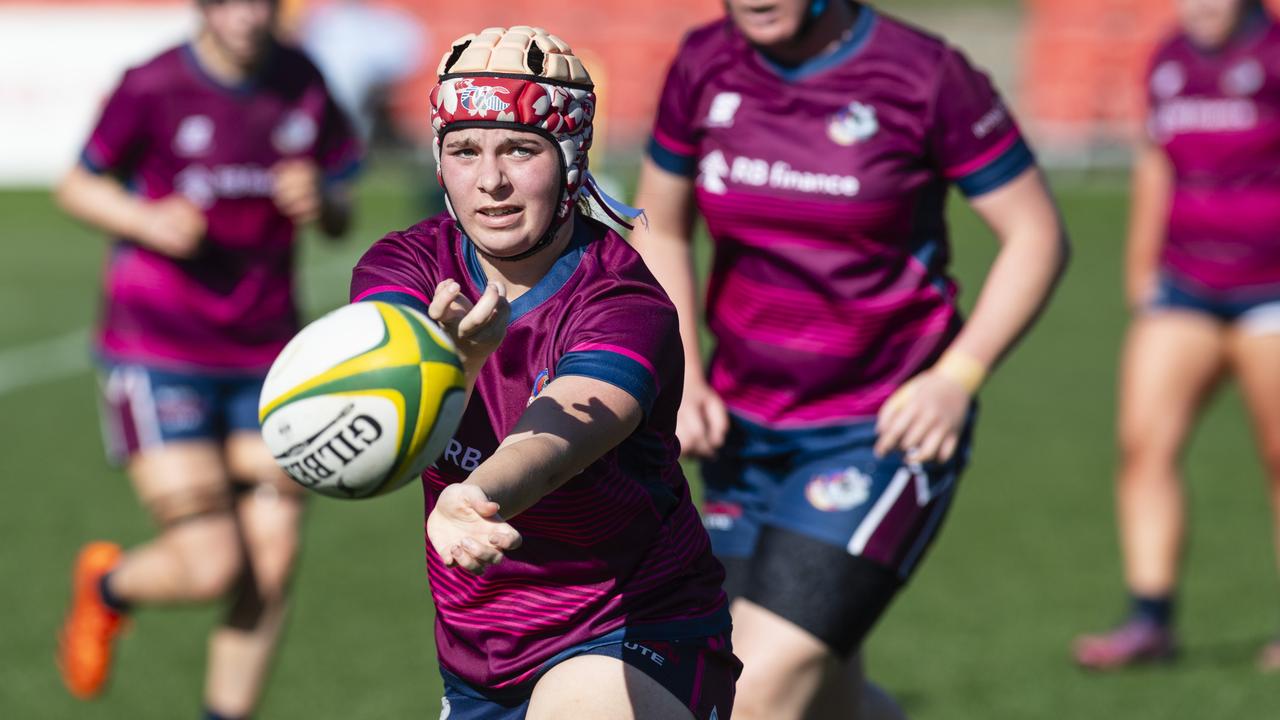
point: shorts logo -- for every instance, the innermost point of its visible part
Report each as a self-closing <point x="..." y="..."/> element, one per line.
<point x="539" y="383"/>
<point x="194" y="136"/>
<point x="1244" y="78"/>
<point x="853" y="124"/>
<point x="723" y="107"/>
<point x="483" y="99"/>
<point x="296" y="134"/>
<point x="839" y="490"/>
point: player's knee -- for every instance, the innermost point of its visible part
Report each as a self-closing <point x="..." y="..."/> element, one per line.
<point x="1271" y="460"/>
<point x="1141" y="448"/>
<point x="213" y="575"/>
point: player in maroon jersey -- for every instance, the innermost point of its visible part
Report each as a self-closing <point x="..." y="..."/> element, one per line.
<point x="592" y="590"/>
<point x="818" y="140"/>
<point x="206" y="161"/>
<point x="1203" y="280"/>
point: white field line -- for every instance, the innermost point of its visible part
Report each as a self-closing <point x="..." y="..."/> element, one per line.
<point x="44" y="361"/>
<point x="67" y="355"/>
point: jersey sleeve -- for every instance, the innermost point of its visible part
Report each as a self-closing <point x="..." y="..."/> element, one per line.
<point x="673" y="143"/>
<point x="974" y="139"/>
<point x="391" y="271"/>
<point x="629" y="338"/>
<point x="121" y="132"/>
<point x="338" y="150"/>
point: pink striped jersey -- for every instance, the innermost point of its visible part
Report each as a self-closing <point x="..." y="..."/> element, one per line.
<point x="620" y="545"/>
<point x="823" y="188"/>
<point x="1216" y="114"/>
<point x="171" y="128"/>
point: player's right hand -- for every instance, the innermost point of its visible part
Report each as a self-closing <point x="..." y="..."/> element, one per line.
<point x="173" y="226"/>
<point x="702" y="420"/>
<point x="476" y="330"/>
<point x="466" y="530"/>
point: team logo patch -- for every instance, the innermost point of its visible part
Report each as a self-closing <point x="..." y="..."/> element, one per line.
<point x="483" y="99"/>
<point x="720" y="515"/>
<point x="194" y="136"/>
<point x="296" y="134"/>
<point x="723" y="107"/>
<point x="1168" y="79"/>
<point x="853" y="124"/>
<point x="539" y="383"/>
<point x="1244" y="78"/>
<point x="840" y="490"/>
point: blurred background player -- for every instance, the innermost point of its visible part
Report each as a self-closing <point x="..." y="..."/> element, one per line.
<point x="204" y="164"/>
<point x="1203" y="277"/>
<point x="569" y="570"/>
<point x="818" y="139"/>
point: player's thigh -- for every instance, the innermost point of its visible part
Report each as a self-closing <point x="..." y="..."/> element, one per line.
<point x="1172" y="359"/>
<point x="1255" y="358"/>
<point x="602" y="688"/>
<point x="783" y="664"/>
<point x="181" y="481"/>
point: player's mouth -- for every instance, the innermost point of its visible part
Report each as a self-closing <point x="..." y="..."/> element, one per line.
<point x="760" y="15"/>
<point x="498" y="217"/>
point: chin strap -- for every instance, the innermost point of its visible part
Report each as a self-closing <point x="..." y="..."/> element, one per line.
<point x="618" y="211"/>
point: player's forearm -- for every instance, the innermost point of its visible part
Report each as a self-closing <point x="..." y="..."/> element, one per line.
<point x="520" y="474"/>
<point x="101" y="202"/>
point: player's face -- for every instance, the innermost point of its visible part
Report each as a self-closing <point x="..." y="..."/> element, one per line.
<point x="1210" y="22"/>
<point x="504" y="186"/>
<point x="239" y="27"/>
<point x="768" y="22"/>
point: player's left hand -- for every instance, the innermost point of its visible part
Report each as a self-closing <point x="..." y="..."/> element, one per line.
<point x="924" y="418"/>
<point x="466" y="530"/>
<point x="296" y="190"/>
<point x="478" y="329"/>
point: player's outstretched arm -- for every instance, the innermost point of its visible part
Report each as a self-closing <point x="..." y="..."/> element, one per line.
<point x="925" y="416"/>
<point x="572" y="423"/>
<point x="173" y="225"/>
<point x="667" y="248"/>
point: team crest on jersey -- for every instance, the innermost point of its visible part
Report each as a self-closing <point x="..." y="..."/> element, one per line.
<point x="853" y="124"/>
<point x="296" y="134"/>
<point x="194" y="136"/>
<point x="539" y="383"/>
<point x="723" y="107"/>
<point x="1244" y="78"/>
<point x="482" y="99"/>
<point x="1168" y="79"/>
<point x="840" y="490"/>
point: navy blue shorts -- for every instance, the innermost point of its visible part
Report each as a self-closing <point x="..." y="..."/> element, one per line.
<point x="701" y="672"/>
<point x="1254" y="311"/>
<point x="145" y="407"/>
<point x="827" y="484"/>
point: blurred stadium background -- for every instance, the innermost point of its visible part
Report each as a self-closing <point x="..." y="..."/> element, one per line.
<point x="1029" y="556"/>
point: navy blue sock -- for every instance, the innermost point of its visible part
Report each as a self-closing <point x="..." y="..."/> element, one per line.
<point x="1157" y="609"/>
<point x="109" y="598"/>
<point x="211" y="715"/>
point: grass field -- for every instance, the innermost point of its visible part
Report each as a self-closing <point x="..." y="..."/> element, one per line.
<point x="1026" y="560"/>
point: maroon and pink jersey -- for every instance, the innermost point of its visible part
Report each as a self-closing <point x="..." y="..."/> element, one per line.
<point x="823" y="187"/>
<point x="620" y="545"/>
<point x="171" y="128"/>
<point x="1216" y="114"/>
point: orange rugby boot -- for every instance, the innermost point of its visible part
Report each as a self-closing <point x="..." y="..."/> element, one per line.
<point x="84" y="642"/>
